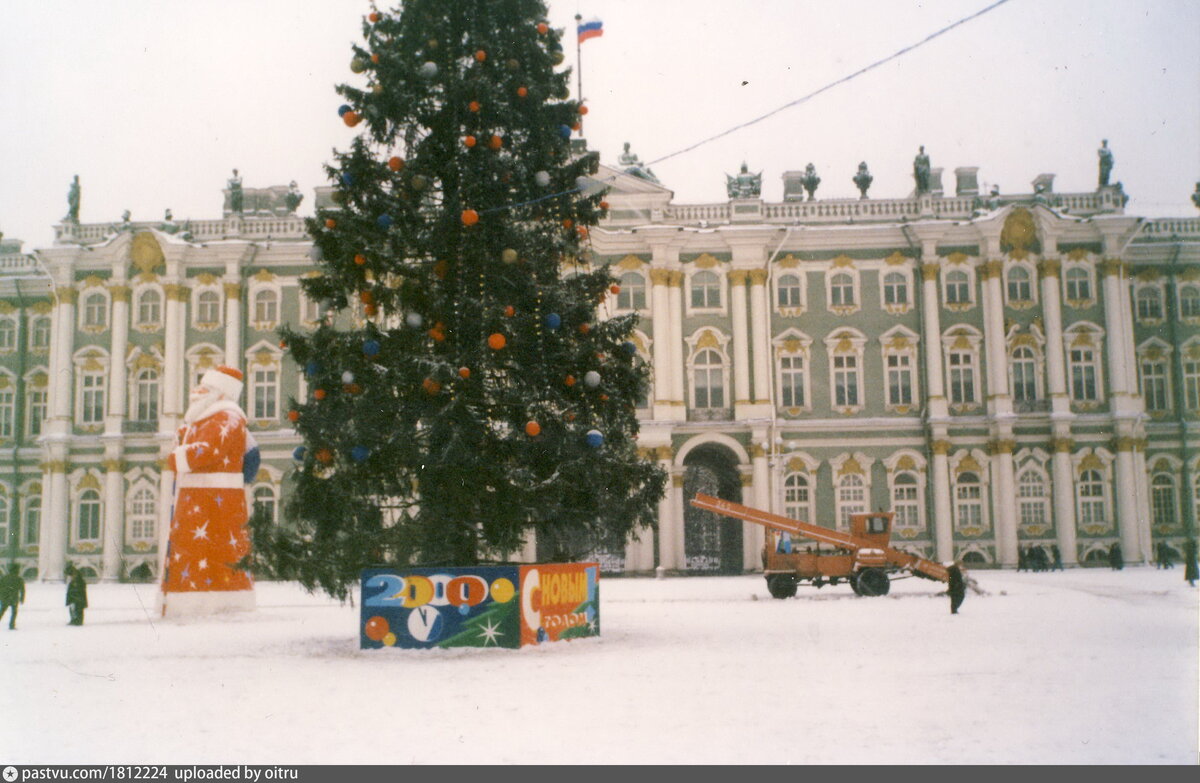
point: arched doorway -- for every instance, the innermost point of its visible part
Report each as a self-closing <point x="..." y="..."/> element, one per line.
<point x="712" y="543"/>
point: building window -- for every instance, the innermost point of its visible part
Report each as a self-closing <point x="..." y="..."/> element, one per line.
<point x="33" y="520"/>
<point x="1163" y="508"/>
<point x="706" y="291"/>
<point x="8" y="334"/>
<point x="39" y="333"/>
<point x="1196" y="496"/>
<point x="87" y="516"/>
<point x="92" y="397"/>
<point x="962" y="377"/>
<point x="841" y="290"/>
<point x="149" y="308"/>
<point x="968" y="501"/>
<point x="1189" y="301"/>
<point x="895" y="289"/>
<point x="791" y="374"/>
<point x="36" y="411"/>
<point x="264" y="393"/>
<point x="1093" y="503"/>
<point x="958" y="288"/>
<point x="4" y="521"/>
<point x="145" y="390"/>
<point x="8" y="411"/>
<point x="264" y="502"/>
<point x="95" y="311"/>
<point x="1024" y="375"/>
<point x="633" y="292"/>
<point x="1191" y="383"/>
<point x="789" y="291"/>
<point x="266" y="307"/>
<point x="851" y="499"/>
<point x="1032" y="500"/>
<point x="1079" y="285"/>
<point x="1154" y="385"/>
<point x="1149" y="303"/>
<point x="709" y="374"/>
<point x="143" y="511"/>
<point x="900" y="379"/>
<point x="208" y="307"/>
<point x="906" y="501"/>
<point x="845" y="380"/>
<point x="797" y="497"/>
<point x="1019" y="288"/>
<point x="1083" y="375"/>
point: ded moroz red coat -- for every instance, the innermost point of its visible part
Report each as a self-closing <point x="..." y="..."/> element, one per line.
<point x="208" y="527"/>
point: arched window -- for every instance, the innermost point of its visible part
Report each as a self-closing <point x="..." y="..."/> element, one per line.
<point x="266" y="307"/>
<point x="797" y="498"/>
<point x="790" y="292"/>
<point x="958" y="287"/>
<point x="143" y="512"/>
<point x="851" y="499"/>
<point x="264" y="502"/>
<point x="1032" y="499"/>
<point x="633" y="292"/>
<point x="1163" y="504"/>
<point x="87" y="516"/>
<point x="1024" y="374"/>
<point x="706" y="290"/>
<point x="1149" y="303"/>
<point x="95" y="311"/>
<point x="39" y="333"/>
<point x="791" y="374"/>
<point x="906" y="503"/>
<point x="895" y="288"/>
<point x="1079" y="285"/>
<point x="208" y="307"/>
<point x="968" y="501"/>
<point x="8" y="334"/>
<point x="149" y="308"/>
<point x="1154" y="384"/>
<point x="1189" y="301"/>
<point x="145" y="385"/>
<point x="33" y="520"/>
<point x="1019" y="288"/>
<point x="709" y="375"/>
<point x="1093" y="499"/>
<point x="841" y="290"/>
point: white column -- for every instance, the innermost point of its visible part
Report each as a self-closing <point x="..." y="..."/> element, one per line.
<point x="761" y="342"/>
<point x="173" y="395"/>
<point x="943" y="522"/>
<point x="233" y="324"/>
<point x="1064" y="501"/>
<point x="166" y="506"/>
<point x="52" y="538"/>
<point x="61" y="368"/>
<point x="741" y="354"/>
<point x="1142" y="499"/>
<point x="118" y="383"/>
<point x="994" y="338"/>
<point x="675" y="310"/>
<point x="1004" y="488"/>
<point x="1127" y="508"/>
<point x="931" y="321"/>
<point x="673" y="535"/>
<point x="1056" y="362"/>
<point x="754" y="536"/>
<point x="665" y="508"/>
<point x="660" y="313"/>
<point x="114" y="507"/>
<point x="1118" y="372"/>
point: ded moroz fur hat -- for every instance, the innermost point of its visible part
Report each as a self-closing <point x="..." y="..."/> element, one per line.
<point x="227" y="381"/>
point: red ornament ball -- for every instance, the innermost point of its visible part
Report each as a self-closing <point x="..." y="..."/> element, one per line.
<point x="582" y="231"/>
<point x="324" y="456"/>
<point x="474" y="106"/>
<point x="351" y="118"/>
<point x="395" y="164"/>
<point x="604" y="205"/>
<point x="431" y="386"/>
<point x="319" y="394"/>
<point x="374" y="17"/>
<point x="522" y="92"/>
<point x="470" y="141"/>
<point x="470" y="217"/>
<point x="366" y="297"/>
<point x="376" y="628"/>
<point x="583" y="109"/>
<point x="370" y="310"/>
<point x="533" y="429"/>
<point x="510" y="311"/>
<point x="480" y="56"/>
<point x="567" y="223"/>
<point x="496" y="341"/>
<point x="375" y="59"/>
<point x="496" y="142"/>
<point x="293" y="416"/>
<point x="570" y="380"/>
<point x="360" y="259"/>
<point x="464" y="372"/>
<point x="330" y="223"/>
<point x="614" y="288"/>
<point x="585" y="328"/>
<point x="543" y="28"/>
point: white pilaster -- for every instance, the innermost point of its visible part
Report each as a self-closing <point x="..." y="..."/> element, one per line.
<point x="754" y="536"/>
<point x="233" y="323"/>
<point x="1064" y="502"/>
<point x="761" y="342"/>
<point x="931" y="322"/>
<point x="943" y="522"/>
<point x="1004" y="490"/>
<point x="118" y="377"/>
<point x="52" y="538"/>
<point x="173" y="393"/>
<point x="741" y="353"/>
<point x="675" y="323"/>
<point x="672" y="537"/>
<point x="1127" y="508"/>
<point x="661" y="315"/>
<point x="114" y="507"/>
<point x="994" y="338"/>
<point x="1056" y="362"/>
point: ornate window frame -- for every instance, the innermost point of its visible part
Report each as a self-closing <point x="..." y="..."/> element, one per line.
<point x="147" y="320"/>
<point x="794" y="344"/>
<point x="1159" y="353"/>
<point x="91" y="380"/>
<point x="1077" y="262"/>
<point x="140" y="362"/>
<point x="1033" y="462"/>
<point x="632" y="282"/>
<point x="264" y="375"/>
<point x="803" y="467"/>
<point x="843" y="343"/>
<point x="40" y="326"/>
<point x="268" y="479"/>
<point x="966" y="340"/>
<point x="82" y="483"/>
<point x="1083" y="463"/>
<point x="901" y="343"/>
<point x="1079" y="338"/>
<point x="8" y="333"/>
<point x="1165" y="472"/>
<point x="706" y="263"/>
<point x="704" y="339"/>
<point x="1031" y="280"/>
<point x="843" y="271"/>
<point x="206" y="285"/>
<point x="970" y="462"/>
<point x="37" y="382"/>
<point x="8" y="407"/>
<point x="1188" y="283"/>
<point x="958" y="263"/>
<point x="1189" y="356"/>
<point x="141" y="482"/>
<point x="904" y="271"/>
<point x="31" y="506"/>
<point x="1149" y="301"/>
<point x="907" y="464"/>
<point x="199" y="359"/>
<point x="789" y="265"/>
<point x="851" y="478"/>
<point x="1033" y="343"/>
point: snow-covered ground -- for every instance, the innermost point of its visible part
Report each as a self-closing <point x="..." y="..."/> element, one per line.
<point x="1088" y="666"/>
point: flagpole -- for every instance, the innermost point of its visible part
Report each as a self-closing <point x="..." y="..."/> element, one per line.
<point x="579" y="67"/>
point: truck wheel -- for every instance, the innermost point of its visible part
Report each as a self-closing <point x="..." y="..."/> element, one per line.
<point x="781" y="585"/>
<point x="873" y="582"/>
<point x="854" y="584"/>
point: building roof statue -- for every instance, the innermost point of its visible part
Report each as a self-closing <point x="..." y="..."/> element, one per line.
<point x="630" y="163"/>
<point x="236" y="197"/>
<point x="73" y="202"/>
<point x="863" y="179"/>
<point x="1106" y="162"/>
<point x="293" y="197"/>
<point x="921" y="171"/>
<point x="810" y="181"/>
<point x="744" y="185"/>
<point x="1196" y="196"/>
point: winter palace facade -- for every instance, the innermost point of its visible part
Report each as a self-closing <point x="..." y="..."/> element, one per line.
<point x="998" y="370"/>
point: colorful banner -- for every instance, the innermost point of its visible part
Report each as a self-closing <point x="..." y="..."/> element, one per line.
<point x="483" y="606"/>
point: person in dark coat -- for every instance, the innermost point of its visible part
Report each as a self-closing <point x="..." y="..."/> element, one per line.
<point x="1057" y="555"/>
<point x="956" y="587"/>
<point x="12" y="594"/>
<point x="76" y="596"/>
<point x="1115" y="558"/>
<point x="1189" y="562"/>
<point x="1022" y="558"/>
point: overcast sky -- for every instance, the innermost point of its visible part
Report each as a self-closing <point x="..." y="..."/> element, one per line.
<point x="153" y="103"/>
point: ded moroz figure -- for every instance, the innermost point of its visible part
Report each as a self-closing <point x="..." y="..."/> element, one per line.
<point x="208" y="534"/>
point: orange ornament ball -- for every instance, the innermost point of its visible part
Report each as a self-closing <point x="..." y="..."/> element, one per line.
<point x="351" y="118"/>
<point x="543" y="28"/>
<point x="293" y="416"/>
<point x="319" y="394"/>
<point x="496" y="142"/>
<point x="570" y="380"/>
<point x="567" y="223"/>
<point x="583" y="110"/>
<point x="603" y="398"/>
<point x="324" y="456"/>
<point x="374" y="17"/>
<point x="464" y="372"/>
<point x="431" y="386"/>
<point x="576" y="126"/>
<point x="375" y="59"/>
<point x="533" y="429"/>
<point x="330" y="223"/>
<point x="582" y="231"/>
<point x="474" y="106"/>
<point x="366" y="297"/>
<point x="480" y="56"/>
<point x="283" y="344"/>
<point x="354" y="388"/>
<point x="585" y="328"/>
<point x="522" y="92"/>
<point x="470" y="141"/>
<point x="395" y="164"/>
<point x="510" y="311"/>
<point x="470" y="217"/>
<point x="614" y="288"/>
<point x="360" y="259"/>
<point x="604" y="205"/>
<point x="496" y="341"/>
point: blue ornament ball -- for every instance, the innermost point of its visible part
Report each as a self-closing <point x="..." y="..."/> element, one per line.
<point x="629" y="347"/>
<point x="347" y="180"/>
<point x="594" y="439"/>
<point x="553" y="320"/>
<point x="343" y="109"/>
<point x="298" y="454"/>
<point x="359" y="453"/>
<point x="384" y="221"/>
<point x="371" y="347"/>
<point x="312" y="368"/>
<point x="564" y="131"/>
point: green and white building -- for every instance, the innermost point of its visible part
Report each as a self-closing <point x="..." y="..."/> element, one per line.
<point x="999" y="371"/>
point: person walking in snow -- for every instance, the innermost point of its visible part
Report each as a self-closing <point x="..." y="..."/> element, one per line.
<point x="1022" y="559"/>
<point x="1057" y="555"/>
<point x="12" y="594"/>
<point x="76" y="596"/>
<point x="956" y="587"/>
<point x="1189" y="563"/>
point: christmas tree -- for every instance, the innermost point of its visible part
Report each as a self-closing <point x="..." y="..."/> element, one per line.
<point x="464" y="391"/>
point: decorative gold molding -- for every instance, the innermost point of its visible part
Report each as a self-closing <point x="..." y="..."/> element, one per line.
<point x="708" y="339"/>
<point x="895" y="259"/>
<point x="1124" y="443"/>
<point x="114" y="465"/>
<point x="747" y="480"/>
<point x="755" y="451"/>
<point x="1077" y="254"/>
<point x="43" y="307"/>
<point x="119" y="293"/>
<point x="264" y="275"/>
<point x="145" y="253"/>
<point x="738" y="277"/>
<point x="205" y="278"/>
<point x="233" y="290"/>
<point x="66" y="294"/>
<point x="677" y="481"/>
<point x="758" y="277"/>
<point x="1062" y="445"/>
<point x="788" y="262"/>
<point x="993" y="268"/>
<point x="968" y="463"/>
<point x="706" y="261"/>
<point x="1112" y="266"/>
<point x="676" y="278"/>
<point x="176" y="292"/>
<point x="630" y="263"/>
<point x="660" y="276"/>
<point x="1001" y="446"/>
<point x="851" y="466"/>
<point x="929" y="272"/>
<point x="843" y="261"/>
<point x="665" y="453"/>
<point x="1049" y="267"/>
<point x="957" y="258"/>
<point x="1148" y="275"/>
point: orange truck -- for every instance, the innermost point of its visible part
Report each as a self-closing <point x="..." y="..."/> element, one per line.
<point x="863" y="557"/>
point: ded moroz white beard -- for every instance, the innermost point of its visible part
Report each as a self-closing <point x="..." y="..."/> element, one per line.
<point x="199" y="403"/>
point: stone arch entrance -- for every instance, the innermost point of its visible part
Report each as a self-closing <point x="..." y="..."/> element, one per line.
<point x="712" y="543"/>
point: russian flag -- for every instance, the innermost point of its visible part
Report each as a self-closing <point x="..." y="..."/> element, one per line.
<point x="590" y="29"/>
